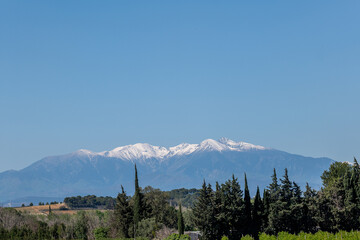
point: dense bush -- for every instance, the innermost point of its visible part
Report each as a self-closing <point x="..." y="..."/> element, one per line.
<point x="176" y="236"/>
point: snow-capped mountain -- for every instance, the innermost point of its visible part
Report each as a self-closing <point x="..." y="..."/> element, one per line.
<point x="145" y="151"/>
<point x="185" y="165"/>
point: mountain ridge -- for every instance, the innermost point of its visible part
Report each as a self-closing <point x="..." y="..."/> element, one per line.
<point x="186" y="165"/>
<point x="146" y="150"/>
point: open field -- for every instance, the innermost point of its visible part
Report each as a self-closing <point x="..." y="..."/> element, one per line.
<point x="55" y="209"/>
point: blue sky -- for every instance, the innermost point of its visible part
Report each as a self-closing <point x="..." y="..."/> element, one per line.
<point x="100" y="74"/>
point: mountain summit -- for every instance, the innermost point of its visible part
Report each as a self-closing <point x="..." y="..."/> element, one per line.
<point x="185" y="165"/>
<point x="141" y="151"/>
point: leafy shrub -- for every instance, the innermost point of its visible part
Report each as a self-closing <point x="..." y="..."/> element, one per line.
<point x="147" y="228"/>
<point x="247" y="237"/>
<point x="176" y="236"/>
<point x="224" y="238"/>
<point x="101" y="233"/>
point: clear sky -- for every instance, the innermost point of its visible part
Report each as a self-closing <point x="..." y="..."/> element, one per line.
<point x="101" y="74"/>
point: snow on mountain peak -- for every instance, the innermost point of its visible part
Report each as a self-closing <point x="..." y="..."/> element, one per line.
<point x="183" y="149"/>
<point x="212" y="145"/>
<point x="143" y="151"/>
<point x="137" y="151"/>
<point x="240" y="146"/>
<point x="84" y="152"/>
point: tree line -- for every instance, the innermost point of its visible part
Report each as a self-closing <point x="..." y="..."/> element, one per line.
<point x="225" y="212"/>
<point x="90" y="201"/>
<point x="229" y="211"/>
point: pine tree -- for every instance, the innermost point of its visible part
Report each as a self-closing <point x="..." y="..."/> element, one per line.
<point x="285" y="189"/>
<point x="309" y="209"/>
<point x="234" y="208"/>
<point x="350" y="201"/>
<point x="204" y="213"/>
<point x="296" y="220"/>
<point x="122" y="214"/>
<point x="274" y="188"/>
<point x="218" y="202"/>
<point x="247" y="210"/>
<point x="181" y="225"/>
<point x="280" y="213"/>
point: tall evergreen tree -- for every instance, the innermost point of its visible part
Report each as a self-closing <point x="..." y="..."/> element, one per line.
<point x="279" y="213"/>
<point x="274" y="188"/>
<point x="234" y="208"/>
<point x="285" y="189"/>
<point x="296" y="220"/>
<point x="247" y="210"/>
<point x="181" y="225"/>
<point x="138" y="203"/>
<point x="122" y="214"/>
<point x="257" y="212"/>
<point x="266" y="210"/>
<point x="309" y="209"/>
<point x="204" y="213"/>
<point x="218" y="203"/>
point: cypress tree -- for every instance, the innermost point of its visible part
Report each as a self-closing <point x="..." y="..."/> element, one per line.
<point x="266" y="210"/>
<point x="138" y="203"/>
<point x="247" y="209"/>
<point x="181" y="225"/>
<point x="256" y="215"/>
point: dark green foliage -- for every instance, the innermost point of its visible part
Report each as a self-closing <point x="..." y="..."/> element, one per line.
<point x="81" y="228"/>
<point x="138" y="208"/>
<point x="273" y="188"/>
<point x="266" y="210"/>
<point x="247" y="210"/>
<point x="187" y="197"/>
<point x="204" y="216"/>
<point x="157" y="205"/>
<point x="336" y="171"/>
<point x="176" y="236"/>
<point x="101" y="233"/>
<point x="189" y="220"/>
<point x="219" y="211"/>
<point x="181" y="225"/>
<point x="309" y="211"/>
<point x="227" y="211"/>
<point x="122" y="215"/>
<point x="90" y="201"/>
<point x="234" y="208"/>
<point x="147" y="228"/>
<point x="257" y="213"/>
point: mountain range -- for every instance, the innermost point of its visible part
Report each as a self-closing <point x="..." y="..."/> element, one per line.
<point x="186" y="165"/>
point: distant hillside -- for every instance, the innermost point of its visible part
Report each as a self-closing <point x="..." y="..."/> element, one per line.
<point x="183" y="166"/>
